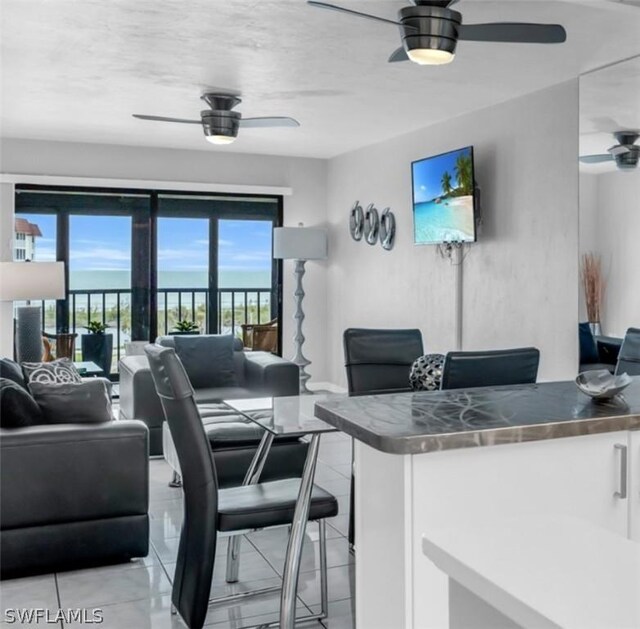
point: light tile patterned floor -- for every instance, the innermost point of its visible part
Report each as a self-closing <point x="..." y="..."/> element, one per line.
<point x="137" y="595"/>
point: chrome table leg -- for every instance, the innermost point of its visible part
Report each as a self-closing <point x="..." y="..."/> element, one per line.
<point x="251" y="478"/>
<point x="324" y="588"/>
<point x="296" y="539"/>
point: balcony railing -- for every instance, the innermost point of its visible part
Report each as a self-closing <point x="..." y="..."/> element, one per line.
<point x="236" y="306"/>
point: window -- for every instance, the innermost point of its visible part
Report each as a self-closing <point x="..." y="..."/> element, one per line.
<point x="140" y="260"/>
<point x="20" y="255"/>
<point x="20" y="236"/>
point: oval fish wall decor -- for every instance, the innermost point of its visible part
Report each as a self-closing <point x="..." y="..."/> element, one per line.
<point x="387" y="229"/>
<point x="356" y="221"/>
<point x="371" y="224"/>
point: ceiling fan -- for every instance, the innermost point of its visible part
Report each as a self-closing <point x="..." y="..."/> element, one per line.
<point x="219" y="123"/>
<point x="431" y="29"/>
<point x="626" y="153"/>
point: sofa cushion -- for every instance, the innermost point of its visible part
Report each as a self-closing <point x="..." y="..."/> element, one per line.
<point x="56" y="371"/>
<point x="70" y="403"/>
<point x="17" y="408"/>
<point x="207" y="359"/>
<point x="12" y="371"/>
<point x="216" y="394"/>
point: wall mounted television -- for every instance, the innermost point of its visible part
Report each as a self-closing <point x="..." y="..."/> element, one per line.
<point x="444" y="203"/>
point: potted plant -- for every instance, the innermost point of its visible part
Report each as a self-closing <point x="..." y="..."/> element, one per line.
<point x="185" y="327"/>
<point x="97" y="346"/>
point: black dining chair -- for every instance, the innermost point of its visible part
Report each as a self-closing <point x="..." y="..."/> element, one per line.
<point x="464" y="370"/>
<point x="629" y="356"/>
<point x="378" y="361"/>
<point x="208" y="510"/>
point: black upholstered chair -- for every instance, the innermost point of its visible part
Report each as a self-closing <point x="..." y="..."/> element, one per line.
<point x="464" y="370"/>
<point x="629" y="357"/>
<point x="208" y="510"/>
<point x="378" y="361"/>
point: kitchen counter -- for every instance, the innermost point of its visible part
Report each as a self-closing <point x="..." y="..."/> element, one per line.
<point x="430" y="461"/>
<point x="414" y="423"/>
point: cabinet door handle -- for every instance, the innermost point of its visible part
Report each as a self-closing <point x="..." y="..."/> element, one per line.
<point x="622" y="491"/>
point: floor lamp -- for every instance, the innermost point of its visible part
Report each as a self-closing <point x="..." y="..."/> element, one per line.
<point x="24" y="281"/>
<point x="300" y="244"/>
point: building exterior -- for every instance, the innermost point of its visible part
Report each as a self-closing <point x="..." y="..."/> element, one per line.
<point x="25" y="239"/>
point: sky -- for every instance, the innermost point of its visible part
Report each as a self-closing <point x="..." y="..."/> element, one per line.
<point x="427" y="175"/>
<point x="103" y="243"/>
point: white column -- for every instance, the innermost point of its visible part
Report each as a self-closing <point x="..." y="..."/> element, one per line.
<point x="7" y="211"/>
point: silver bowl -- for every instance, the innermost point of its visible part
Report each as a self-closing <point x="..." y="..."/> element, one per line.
<point x="601" y="384"/>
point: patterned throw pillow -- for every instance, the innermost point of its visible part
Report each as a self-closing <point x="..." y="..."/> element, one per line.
<point x="56" y="372"/>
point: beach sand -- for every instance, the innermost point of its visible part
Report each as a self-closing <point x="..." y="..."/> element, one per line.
<point x="464" y="211"/>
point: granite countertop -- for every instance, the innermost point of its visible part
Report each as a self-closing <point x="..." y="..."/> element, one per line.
<point x="413" y="423"/>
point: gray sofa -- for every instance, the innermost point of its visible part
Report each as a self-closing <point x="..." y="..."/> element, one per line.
<point x="232" y="437"/>
<point x="72" y="495"/>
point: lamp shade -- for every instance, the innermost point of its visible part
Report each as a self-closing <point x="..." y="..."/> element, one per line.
<point x="300" y="243"/>
<point x="21" y="281"/>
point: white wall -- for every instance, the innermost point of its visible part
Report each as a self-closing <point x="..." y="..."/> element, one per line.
<point x="307" y="178"/>
<point x="610" y="203"/>
<point x="520" y="279"/>
<point x="588" y="215"/>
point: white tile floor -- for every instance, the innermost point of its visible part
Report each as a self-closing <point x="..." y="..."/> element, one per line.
<point x="137" y="595"/>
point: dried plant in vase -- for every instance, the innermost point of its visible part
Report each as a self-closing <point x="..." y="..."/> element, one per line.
<point x="593" y="285"/>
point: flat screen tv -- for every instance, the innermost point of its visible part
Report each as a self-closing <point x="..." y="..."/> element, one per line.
<point x="443" y="198"/>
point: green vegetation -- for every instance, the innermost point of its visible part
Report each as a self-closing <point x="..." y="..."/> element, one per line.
<point x="464" y="176"/>
<point x="186" y="325"/>
<point x="96" y="327"/>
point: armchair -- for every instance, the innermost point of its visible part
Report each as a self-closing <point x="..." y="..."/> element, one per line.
<point x="232" y="437"/>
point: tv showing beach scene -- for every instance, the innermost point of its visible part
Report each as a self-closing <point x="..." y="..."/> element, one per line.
<point x="443" y="201"/>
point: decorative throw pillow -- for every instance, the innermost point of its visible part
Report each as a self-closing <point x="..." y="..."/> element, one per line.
<point x="57" y="371"/>
<point x="17" y="408"/>
<point x="426" y="372"/>
<point x="11" y="370"/>
<point x="207" y="359"/>
<point x="71" y="403"/>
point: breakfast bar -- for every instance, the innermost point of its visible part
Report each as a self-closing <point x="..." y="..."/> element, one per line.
<point x="460" y="459"/>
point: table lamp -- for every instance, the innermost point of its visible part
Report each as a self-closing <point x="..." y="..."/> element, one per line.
<point x="24" y="281"/>
<point x="300" y="244"/>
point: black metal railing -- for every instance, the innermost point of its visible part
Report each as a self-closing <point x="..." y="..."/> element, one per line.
<point x="235" y="306"/>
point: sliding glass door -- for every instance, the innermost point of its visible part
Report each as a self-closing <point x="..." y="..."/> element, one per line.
<point x="146" y="262"/>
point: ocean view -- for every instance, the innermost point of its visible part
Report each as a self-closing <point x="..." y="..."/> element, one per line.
<point x="444" y="220"/>
<point x="112" y="279"/>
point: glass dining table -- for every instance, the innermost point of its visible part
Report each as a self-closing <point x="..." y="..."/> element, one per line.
<point x="291" y="416"/>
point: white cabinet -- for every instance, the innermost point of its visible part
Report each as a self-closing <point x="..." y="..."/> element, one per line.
<point x="398" y="498"/>
<point x="634" y="485"/>
<point x="573" y="476"/>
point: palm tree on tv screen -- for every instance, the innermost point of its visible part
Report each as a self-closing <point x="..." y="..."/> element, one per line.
<point x="463" y="174"/>
<point x="446" y="183"/>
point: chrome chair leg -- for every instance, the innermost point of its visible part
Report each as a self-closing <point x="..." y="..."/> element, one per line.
<point x="174" y="611"/>
<point x="176" y="480"/>
<point x="324" y="590"/>
<point x="233" y="559"/>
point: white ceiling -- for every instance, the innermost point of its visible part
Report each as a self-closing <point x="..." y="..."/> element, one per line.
<point x="609" y="101"/>
<point x="76" y="70"/>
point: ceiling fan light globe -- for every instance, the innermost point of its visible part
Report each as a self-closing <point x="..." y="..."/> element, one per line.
<point x="430" y="56"/>
<point x="220" y="139"/>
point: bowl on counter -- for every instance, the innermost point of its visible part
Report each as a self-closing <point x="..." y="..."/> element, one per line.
<point x="601" y="384"/>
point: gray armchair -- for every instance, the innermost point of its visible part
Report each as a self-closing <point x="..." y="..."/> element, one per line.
<point x="257" y="374"/>
<point x="232" y="437"/>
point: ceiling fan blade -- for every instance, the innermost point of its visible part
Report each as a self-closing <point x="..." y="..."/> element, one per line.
<point x="272" y="121"/>
<point x="334" y="7"/>
<point x="400" y="54"/>
<point x="164" y="119"/>
<point x="514" y="32"/>
<point x="618" y="150"/>
<point x="596" y="159"/>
